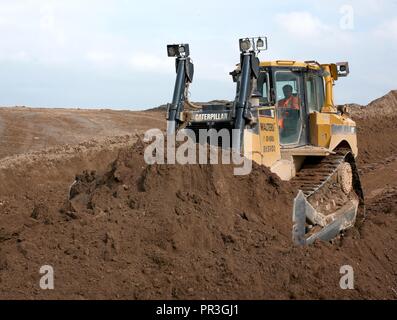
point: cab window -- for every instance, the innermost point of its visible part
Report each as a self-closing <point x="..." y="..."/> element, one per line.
<point x="314" y="93"/>
<point x="263" y="88"/>
<point x="320" y="91"/>
<point x="264" y="101"/>
<point x="286" y="79"/>
<point x="311" y="94"/>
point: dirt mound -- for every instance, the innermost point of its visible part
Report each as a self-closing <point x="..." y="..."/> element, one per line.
<point x="135" y="231"/>
<point x="376" y="128"/>
<point x="385" y="202"/>
<point x="383" y="106"/>
<point x="197" y="197"/>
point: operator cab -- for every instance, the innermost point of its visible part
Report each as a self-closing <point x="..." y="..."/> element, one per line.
<point x="293" y="92"/>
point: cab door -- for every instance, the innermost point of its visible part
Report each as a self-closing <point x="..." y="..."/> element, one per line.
<point x="290" y="107"/>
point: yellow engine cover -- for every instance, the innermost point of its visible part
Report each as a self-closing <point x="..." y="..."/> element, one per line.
<point x="328" y="130"/>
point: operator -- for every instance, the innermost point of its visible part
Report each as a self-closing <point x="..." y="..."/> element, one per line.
<point x="289" y="102"/>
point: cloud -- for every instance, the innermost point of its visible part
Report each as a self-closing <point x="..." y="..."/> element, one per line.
<point x="301" y="24"/>
<point x="387" y="30"/>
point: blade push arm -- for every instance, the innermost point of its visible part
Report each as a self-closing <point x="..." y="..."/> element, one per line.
<point x="249" y="71"/>
<point x="184" y="76"/>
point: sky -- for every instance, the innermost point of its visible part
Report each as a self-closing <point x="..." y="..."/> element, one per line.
<point x="112" y="53"/>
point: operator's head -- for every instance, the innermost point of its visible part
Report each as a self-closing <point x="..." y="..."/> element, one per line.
<point x="287" y="89"/>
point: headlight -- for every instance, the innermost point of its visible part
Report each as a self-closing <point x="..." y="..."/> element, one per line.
<point x="172" y="50"/>
<point x="245" y="44"/>
<point x="178" y="50"/>
<point x="260" y="43"/>
<point x="253" y="44"/>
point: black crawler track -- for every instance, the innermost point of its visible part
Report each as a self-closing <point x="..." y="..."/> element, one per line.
<point x="316" y="172"/>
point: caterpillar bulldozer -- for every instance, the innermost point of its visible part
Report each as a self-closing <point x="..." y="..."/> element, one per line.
<point x="284" y="115"/>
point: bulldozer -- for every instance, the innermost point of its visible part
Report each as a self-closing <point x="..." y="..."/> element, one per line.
<point x="284" y="114"/>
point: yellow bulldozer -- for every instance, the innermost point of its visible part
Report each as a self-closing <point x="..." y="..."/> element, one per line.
<point x="284" y="114"/>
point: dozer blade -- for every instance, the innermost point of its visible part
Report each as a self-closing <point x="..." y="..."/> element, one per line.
<point x="330" y="225"/>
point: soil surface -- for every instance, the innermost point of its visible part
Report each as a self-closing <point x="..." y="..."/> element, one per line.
<point x="134" y="231"/>
<point x="25" y="129"/>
